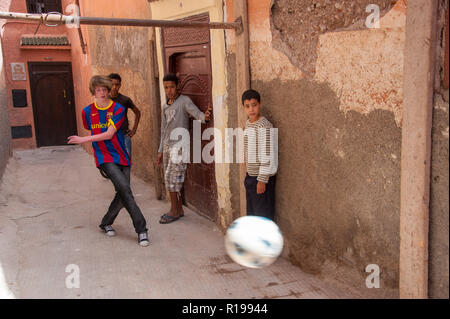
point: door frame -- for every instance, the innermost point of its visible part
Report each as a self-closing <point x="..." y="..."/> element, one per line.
<point x="168" y="53"/>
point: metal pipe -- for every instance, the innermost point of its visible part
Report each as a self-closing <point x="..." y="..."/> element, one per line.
<point x="54" y="18"/>
<point x="80" y="34"/>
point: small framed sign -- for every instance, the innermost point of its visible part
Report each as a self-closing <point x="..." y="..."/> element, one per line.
<point x="18" y="72"/>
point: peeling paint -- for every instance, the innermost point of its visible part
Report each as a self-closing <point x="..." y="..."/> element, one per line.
<point x="353" y="62"/>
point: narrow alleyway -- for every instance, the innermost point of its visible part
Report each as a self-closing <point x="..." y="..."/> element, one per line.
<point x="51" y="201"/>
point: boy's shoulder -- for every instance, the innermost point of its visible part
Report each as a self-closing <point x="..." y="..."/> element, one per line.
<point x="262" y="122"/>
<point x="184" y="98"/>
<point x="118" y="105"/>
<point x="87" y="109"/>
<point x="266" y="122"/>
<point x="123" y="99"/>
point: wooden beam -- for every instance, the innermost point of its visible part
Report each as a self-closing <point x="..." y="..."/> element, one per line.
<point x="418" y="90"/>
<point x="242" y="82"/>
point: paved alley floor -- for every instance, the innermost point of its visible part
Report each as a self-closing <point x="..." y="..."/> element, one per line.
<point x="51" y="202"/>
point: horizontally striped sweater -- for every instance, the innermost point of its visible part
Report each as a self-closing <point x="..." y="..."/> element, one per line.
<point x="260" y="149"/>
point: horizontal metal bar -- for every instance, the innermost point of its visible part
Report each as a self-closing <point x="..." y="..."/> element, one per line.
<point x="157" y="23"/>
<point x="54" y="18"/>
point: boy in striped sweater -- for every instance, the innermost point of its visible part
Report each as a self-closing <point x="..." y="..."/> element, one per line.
<point x="260" y="151"/>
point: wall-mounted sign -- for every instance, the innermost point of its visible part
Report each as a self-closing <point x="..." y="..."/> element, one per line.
<point x="18" y="72"/>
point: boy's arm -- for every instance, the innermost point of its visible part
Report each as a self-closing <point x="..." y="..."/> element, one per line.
<point x="163" y="129"/>
<point x="194" y="111"/>
<point x="85" y="122"/>
<point x="268" y="162"/>
<point x="137" y="118"/>
<point x="74" y="139"/>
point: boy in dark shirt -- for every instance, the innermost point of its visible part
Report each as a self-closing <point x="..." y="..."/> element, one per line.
<point x="127" y="103"/>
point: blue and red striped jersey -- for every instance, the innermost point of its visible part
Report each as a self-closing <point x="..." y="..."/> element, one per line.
<point x="97" y="120"/>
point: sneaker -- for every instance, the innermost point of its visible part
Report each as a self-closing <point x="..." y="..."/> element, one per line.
<point x="143" y="239"/>
<point x="109" y="231"/>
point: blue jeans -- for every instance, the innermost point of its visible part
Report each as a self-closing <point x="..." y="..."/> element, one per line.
<point x="127" y="141"/>
<point x="120" y="177"/>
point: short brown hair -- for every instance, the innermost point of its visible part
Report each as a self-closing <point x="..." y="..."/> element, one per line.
<point x="99" y="81"/>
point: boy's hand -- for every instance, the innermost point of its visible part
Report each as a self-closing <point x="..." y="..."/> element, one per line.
<point x="159" y="159"/>
<point x="74" y="139"/>
<point x="208" y="114"/>
<point x="260" y="188"/>
<point x="131" y="133"/>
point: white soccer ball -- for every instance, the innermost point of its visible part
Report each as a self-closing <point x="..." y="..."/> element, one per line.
<point x="253" y="241"/>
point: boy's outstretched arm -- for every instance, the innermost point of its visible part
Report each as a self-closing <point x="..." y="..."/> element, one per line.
<point x="194" y="111"/>
<point x="74" y="139"/>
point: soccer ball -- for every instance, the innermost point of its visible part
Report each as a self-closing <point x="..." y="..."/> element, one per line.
<point x="253" y="241"/>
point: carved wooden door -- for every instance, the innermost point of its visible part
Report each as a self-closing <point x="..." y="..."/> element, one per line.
<point x="53" y="102"/>
<point x="187" y="53"/>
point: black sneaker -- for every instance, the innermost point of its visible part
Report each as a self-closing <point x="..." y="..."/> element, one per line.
<point x="143" y="239"/>
<point x="109" y="231"/>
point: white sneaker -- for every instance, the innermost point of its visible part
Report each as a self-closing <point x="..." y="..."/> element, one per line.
<point x="143" y="239"/>
<point x="109" y="231"/>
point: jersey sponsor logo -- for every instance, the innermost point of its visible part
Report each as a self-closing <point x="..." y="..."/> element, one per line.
<point x="99" y="125"/>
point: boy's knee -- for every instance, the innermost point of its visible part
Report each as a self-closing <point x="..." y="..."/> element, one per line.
<point x="126" y="192"/>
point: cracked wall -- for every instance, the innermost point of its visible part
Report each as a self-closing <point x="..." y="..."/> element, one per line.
<point x="297" y="24"/>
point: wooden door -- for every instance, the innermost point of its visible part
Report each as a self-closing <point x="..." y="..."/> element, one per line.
<point x="53" y="102"/>
<point x="188" y="54"/>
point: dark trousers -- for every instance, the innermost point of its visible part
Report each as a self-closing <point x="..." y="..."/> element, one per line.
<point x="120" y="177"/>
<point x="260" y="204"/>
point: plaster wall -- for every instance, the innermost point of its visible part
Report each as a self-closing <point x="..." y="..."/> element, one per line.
<point x="5" y="127"/>
<point x="12" y="52"/>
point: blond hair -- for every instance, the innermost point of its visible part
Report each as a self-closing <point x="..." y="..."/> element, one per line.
<point x="99" y="81"/>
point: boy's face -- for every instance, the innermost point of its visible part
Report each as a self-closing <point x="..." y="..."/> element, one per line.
<point x="116" y="84"/>
<point x="170" y="88"/>
<point x="252" y="108"/>
<point x="101" y="93"/>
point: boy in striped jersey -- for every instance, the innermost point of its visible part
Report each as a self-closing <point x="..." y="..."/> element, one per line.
<point x="260" y="158"/>
<point x="104" y="119"/>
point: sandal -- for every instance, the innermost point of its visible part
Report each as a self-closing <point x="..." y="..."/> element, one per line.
<point x="167" y="219"/>
<point x="166" y="214"/>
